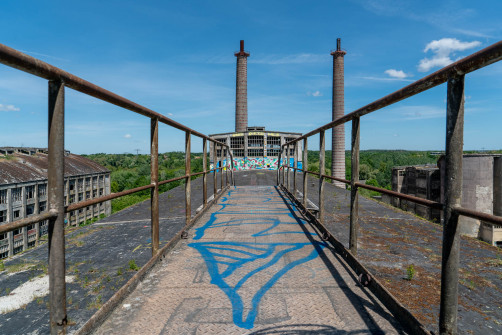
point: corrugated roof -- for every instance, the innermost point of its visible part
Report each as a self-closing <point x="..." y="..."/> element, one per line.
<point x="19" y="168"/>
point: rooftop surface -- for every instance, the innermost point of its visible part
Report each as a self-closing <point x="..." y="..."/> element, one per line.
<point x="19" y="167"/>
<point x="390" y="241"/>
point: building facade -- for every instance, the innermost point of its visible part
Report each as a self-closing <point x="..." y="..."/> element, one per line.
<point x="256" y="148"/>
<point x="481" y="191"/>
<point x="23" y="192"/>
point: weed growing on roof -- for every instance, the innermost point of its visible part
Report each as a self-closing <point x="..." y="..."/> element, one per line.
<point x="410" y="272"/>
<point x="132" y="265"/>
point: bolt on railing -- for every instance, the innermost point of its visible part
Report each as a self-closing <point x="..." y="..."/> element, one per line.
<point x="453" y="74"/>
<point x="58" y="80"/>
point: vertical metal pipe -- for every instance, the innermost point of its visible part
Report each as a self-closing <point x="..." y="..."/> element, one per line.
<point x="295" y="165"/>
<point x="226" y="166"/>
<point x="322" y="155"/>
<point x="284" y="168"/>
<point x="305" y="166"/>
<point x="154" y="179"/>
<point x="55" y="176"/>
<point x="354" y="178"/>
<point x="288" y="155"/>
<point x="221" y="168"/>
<point x="232" y="169"/>
<point x="215" y="165"/>
<point x="453" y="196"/>
<point x="188" y="199"/>
<point x="279" y="164"/>
<point x="204" y="168"/>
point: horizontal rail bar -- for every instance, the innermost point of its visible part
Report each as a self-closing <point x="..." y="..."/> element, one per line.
<point x="492" y="219"/>
<point x="407" y="319"/>
<point x="421" y="201"/>
<point x="100" y="315"/>
<point x="27" y="221"/>
<point x="478" y="60"/>
<point x="112" y="196"/>
<point x="23" y="62"/>
<point x="171" y="180"/>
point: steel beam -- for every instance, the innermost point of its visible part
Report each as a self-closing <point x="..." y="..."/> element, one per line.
<point x="55" y="176"/>
<point x="354" y="197"/>
<point x="204" y="168"/>
<point x="305" y="165"/>
<point x="154" y="180"/>
<point x="188" y="199"/>
<point x="322" y="155"/>
<point x="453" y="196"/>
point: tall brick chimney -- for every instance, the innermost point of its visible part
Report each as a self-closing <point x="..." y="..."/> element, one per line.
<point x="241" y="96"/>
<point x="338" y="107"/>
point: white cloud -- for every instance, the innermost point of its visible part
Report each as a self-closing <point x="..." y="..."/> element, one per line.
<point x="169" y="114"/>
<point x="399" y="74"/>
<point x="314" y="94"/>
<point x="443" y="49"/>
<point x="9" y="108"/>
<point x="127" y="136"/>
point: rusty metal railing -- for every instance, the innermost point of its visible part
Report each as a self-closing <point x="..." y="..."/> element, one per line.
<point x="58" y="80"/>
<point x="454" y="75"/>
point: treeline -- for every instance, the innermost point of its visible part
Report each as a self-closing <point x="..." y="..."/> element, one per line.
<point x="375" y="166"/>
<point x="129" y="171"/>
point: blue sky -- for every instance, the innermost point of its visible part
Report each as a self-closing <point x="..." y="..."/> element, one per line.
<point x="176" y="57"/>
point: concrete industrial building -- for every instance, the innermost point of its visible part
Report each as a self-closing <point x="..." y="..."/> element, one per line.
<point x="481" y="191"/>
<point x="23" y="192"/>
<point x="251" y="147"/>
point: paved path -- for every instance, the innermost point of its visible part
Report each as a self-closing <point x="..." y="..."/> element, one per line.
<point x="251" y="266"/>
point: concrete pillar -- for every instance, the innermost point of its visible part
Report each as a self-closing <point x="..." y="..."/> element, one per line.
<point x="338" y="110"/>
<point x="241" y="97"/>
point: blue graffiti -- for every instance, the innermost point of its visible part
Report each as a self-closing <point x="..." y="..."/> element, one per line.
<point x="215" y="258"/>
<point x="226" y="261"/>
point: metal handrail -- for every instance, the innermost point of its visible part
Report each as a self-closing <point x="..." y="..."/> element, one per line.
<point x="454" y="74"/>
<point x="58" y="80"/>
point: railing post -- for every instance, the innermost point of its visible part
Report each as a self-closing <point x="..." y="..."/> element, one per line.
<point x="221" y="168"/>
<point x="204" y="176"/>
<point x="232" y="168"/>
<point x="288" y="155"/>
<point x="188" y="199"/>
<point x="305" y="165"/>
<point x="354" y="178"/>
<point x="279" y="168"/>
<point x="284" y="168"/>
<point x="321" y="173"/>
<point x="215" y="165"/>
<point x="154" y="179"/>
<point x="55" y="176"/>
<point x="226" y="166"/>
<point x="295" y="165"/>
<point x="453" y="196"/>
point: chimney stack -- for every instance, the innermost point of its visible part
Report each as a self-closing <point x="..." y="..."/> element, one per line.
<point x="338" y="110"/>
<point x="241" y="96"/>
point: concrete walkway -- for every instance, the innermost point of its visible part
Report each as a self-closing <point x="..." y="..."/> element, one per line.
<point x="251" y="266"/>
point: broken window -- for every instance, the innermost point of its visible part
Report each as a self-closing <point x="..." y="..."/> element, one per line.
<point x="3" y="216"/>
<point x="42" y="206"/>
<point x="30" y="192"/>
<point x="255" y="141"/>
<point x="17" y="214"/>
<point x="255" y="152"/>
<point x="30" y="209"/>
<point x="3" y="196"/>
<point x="16" y="194"/>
